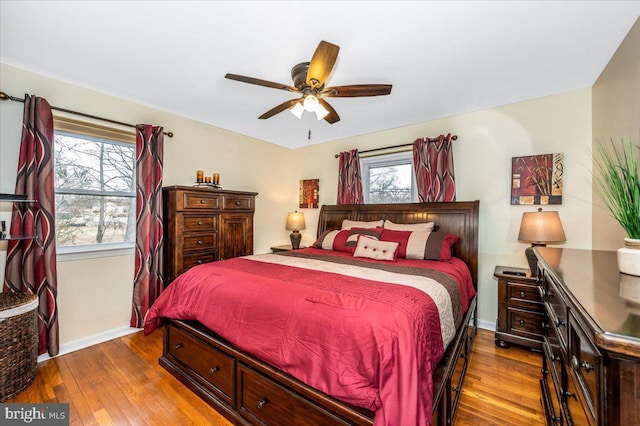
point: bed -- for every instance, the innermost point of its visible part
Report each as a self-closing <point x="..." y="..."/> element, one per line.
<point x="342" y="342"/>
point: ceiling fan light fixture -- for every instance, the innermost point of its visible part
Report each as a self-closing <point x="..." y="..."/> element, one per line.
<point x="311" y="103"/>
<point x="297" y="110"/>
<point x="321" y="112"/>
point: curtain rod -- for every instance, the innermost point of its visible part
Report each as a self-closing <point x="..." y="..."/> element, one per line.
<point x="453" y="138"/>
<point x="4" y="97"/>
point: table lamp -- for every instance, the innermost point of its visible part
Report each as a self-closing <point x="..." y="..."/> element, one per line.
<point x="295" y="222"/>
<point x="540" y="228"/>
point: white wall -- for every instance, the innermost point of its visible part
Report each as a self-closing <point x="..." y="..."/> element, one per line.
<point x="94" y="294"/>
<point x="486" y="142"/>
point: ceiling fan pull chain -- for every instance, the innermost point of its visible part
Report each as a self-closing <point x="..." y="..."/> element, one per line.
<point x="309" y="134"/>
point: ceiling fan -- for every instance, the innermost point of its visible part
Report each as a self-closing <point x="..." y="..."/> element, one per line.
<point x="309" y="79"/>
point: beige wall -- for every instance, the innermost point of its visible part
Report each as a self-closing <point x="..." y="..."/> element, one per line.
<point x="486" y="142"/>
<point x="94" y="294"/>
<point x="616" y="114"/>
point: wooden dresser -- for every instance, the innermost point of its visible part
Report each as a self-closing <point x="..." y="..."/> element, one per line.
<point x="204" y="225"/>
<point x="591" y="362"/>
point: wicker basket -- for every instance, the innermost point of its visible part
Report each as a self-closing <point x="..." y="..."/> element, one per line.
<point x="18" y="342"/>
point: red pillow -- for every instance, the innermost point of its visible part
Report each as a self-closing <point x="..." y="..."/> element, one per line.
<point x="421" y="244"/>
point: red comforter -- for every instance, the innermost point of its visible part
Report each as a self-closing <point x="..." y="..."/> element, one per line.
<point x="369" y="333"/>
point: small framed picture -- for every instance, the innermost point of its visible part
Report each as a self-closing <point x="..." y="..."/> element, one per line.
<point x="309" y="193"/>
<point x="537" y="179"/>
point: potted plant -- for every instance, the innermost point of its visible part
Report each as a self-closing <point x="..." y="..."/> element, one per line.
<point x="618" y="184"/>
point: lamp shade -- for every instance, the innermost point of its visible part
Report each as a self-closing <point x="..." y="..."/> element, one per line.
<point x="295" y="221"/>
<point x="541" y="227"/>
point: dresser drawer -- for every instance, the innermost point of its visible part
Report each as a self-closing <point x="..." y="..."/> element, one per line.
<point x="195" y="259"/>
<point x="575" y="411"/>
<point x="556" y="309"/>
<point x="200" y="223"/>
<point x="585" y="361"/>
<point x="265" y="402"/>
<point x="200" y="201"/>
<point x="200" y="242"/>
<point x="237" y="202"/>
<point x="215" y="368"/>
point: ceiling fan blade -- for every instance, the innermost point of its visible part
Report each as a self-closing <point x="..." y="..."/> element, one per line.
<point x="321" y="64"/>
<point x="278" y="109"/>
<point x="333" y="116"/>
<point x="356" y="90"/>
<point x="260" y="82"/>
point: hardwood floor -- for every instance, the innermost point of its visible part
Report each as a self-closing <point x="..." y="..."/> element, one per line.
<point x="120" y="383"/>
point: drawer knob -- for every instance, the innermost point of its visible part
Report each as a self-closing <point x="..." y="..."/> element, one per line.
<point x="262" y="403"/>
<point x="559" y="322"/>
<point x="214" y="369"/>
<point x="203" y="201"/>
<point x="575" y="363"/>
<point x="199" y="222"/>
<point x="522" y="294"/>
<point x="237" y="203"/>
<point x="200" y="242"/>
<point x="178" y="346"/>
<point x="199" y="262"/>
<point x="521" y="322"/>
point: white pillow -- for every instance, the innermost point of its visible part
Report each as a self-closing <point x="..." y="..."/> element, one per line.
<point x="420" y="227"/>
<point x="375" y="249"/>
<point x="348" y="224"/>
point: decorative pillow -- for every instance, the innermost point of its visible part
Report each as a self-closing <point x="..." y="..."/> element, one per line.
<point x="421" y="244"/>
<point x="350" y="224"/>
<point x="424" y="226"/>
<point x="345" y="240"/>
<point x="374" y="249"/>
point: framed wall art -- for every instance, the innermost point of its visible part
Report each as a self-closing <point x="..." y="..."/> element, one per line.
<point x="309" y="193"/>
<point x="537" y="179"/>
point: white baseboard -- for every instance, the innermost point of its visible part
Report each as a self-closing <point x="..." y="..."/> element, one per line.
<point x="487" y="325"/>
<point x="85" y="342"/>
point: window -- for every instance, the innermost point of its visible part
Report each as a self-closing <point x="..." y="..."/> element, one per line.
<point x="389" y="179"/>
<point x="95" y="188"/>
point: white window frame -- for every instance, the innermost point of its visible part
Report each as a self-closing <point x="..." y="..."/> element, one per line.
<point x="74" y="128"/>
<point x="387" y="160"/>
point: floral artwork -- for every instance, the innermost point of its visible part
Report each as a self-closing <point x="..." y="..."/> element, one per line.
<point x="309" y="193"/>
<point x="537" y="179"/>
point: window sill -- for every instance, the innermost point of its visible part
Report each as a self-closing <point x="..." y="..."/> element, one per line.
<point x="69" y="253"/>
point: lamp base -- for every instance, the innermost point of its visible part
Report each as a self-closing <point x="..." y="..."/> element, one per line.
<point x="295" y="240"/>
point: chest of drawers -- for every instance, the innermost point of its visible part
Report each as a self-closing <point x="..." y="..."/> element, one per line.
<point x="204" y="225"/>
<point x="591" y="343"/>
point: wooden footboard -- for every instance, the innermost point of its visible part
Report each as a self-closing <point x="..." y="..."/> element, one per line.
<point x="248" y="391"/>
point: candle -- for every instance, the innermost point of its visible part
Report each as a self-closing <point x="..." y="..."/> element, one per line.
<point x="199" y="176"/>
<point x="207" y="179"/>
<point x="216" y="178"/>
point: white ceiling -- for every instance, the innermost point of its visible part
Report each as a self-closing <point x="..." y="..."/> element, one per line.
<point x="442" y="57"/>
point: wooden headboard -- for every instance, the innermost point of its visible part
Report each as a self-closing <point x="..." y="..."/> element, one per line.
<point x="459" y="217"/>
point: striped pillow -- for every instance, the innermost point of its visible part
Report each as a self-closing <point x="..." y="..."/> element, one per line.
<point x="421" y="244"/>
<point x="345" y="240"/>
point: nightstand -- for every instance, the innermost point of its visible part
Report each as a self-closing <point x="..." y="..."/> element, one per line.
<point x="288" y="247"/>
<point x="520" y="308"/>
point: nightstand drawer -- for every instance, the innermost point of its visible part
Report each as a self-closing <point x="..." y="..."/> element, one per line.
<point x="518" y="293"/>
<point x="525" y="323"/>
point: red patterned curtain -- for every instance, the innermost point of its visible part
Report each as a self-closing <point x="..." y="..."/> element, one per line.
<point x="31" y="267"/>
<point x="148" y="281"/>
<point x="433" y="165"/>
<point x="349" y="178"/>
